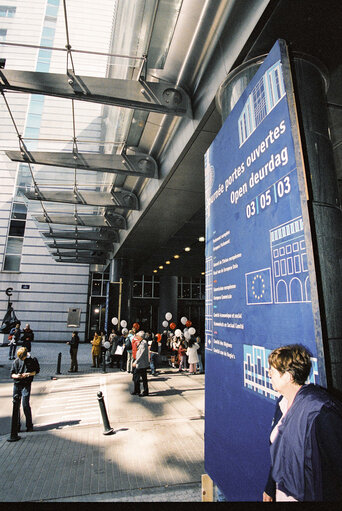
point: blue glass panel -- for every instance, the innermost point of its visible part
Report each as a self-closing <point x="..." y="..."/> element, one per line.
<point x="33" y="121"/>
<point x="32" y="132"/>
<point x="48" y="32"/>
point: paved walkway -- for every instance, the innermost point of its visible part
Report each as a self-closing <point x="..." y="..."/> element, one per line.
<point x="155" y="454"/>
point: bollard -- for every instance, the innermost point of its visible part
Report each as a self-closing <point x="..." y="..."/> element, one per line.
<point x="15" y="419"/>
<point x="59" y="363"/>
<point x="107" y="429"/>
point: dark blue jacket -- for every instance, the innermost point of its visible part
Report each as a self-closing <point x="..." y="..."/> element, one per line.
<point x="306" y="455"/>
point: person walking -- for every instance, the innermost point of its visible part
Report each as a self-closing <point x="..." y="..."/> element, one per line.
<point x="123" y="359"/>
<point x="153" y="356"/>
<point x="24" y="368"/>
<point x="200" y="354"/>
<point x="27" y="337"/>
<point x="192" y="355"/>
<point x="74" y="341"/>
<point x="140" y="365"/>
<point x="14" y="337"/>
<point x="128" y="344"/>
<point x="96" y="350"/>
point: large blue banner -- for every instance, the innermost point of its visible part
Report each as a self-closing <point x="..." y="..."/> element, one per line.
<point x="260" y="279"/>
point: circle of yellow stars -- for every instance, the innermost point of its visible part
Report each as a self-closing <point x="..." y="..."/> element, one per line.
<point x="259" y="283"/>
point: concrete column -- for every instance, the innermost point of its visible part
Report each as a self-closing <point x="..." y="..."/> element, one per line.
<point x="168" y="302"/>
<point x="326" y="215"/>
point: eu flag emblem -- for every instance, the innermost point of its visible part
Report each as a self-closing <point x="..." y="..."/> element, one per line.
<point x="259" y="287"/>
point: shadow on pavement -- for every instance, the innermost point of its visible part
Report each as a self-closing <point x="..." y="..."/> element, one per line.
<point x="56" y="425"/>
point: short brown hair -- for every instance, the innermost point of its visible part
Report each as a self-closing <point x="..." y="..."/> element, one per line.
<point x="294" y="359"/>
<point x="22" y="352"/>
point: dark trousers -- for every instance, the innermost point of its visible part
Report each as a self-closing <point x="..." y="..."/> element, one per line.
<point x="24" y="392"/>
<point x="12" y="349"/>
<point x="153" y="362"/>
<point x="96" y="360"/>
<point x="73" y="355"/>
<point x="137" y="374"/>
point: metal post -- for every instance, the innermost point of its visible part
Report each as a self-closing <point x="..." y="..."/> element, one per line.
<point x="107" y="429"/>
<point x="15" y="419"/>
<point x="59" y="363"/>
<point x="104" y="362"/>
<point x="120" y="298"/>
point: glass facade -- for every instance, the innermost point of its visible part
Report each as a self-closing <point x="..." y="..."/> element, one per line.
<point x="16" y="233"/>
<point x="191" y="288"/>
<point x="146" y="286"/>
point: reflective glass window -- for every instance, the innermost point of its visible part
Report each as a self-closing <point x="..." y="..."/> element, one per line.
<point x="147" y="289"/>
<point x="17" y="228"/>
<point x="96" y="288"/>
<point x="14" y="246"/>
<point x="186" y="290"/>
<point x="7" y="11"/>
<point x="156" y="289"/>
<point x="137" y="289"/>
<point x="19" y="211"/>
<point x="12" y="263"/>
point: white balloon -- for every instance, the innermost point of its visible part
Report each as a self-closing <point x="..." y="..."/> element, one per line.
<point x="124" y="331"/>
<point x="185" y="330"/>
<point x="115" y="321"/>
<point x="106" y="345"/>
<point x="165" y="324"/>
<point x="184" y="320"/>
<point x="123" y="323"/>
<point x="187" y="335"/>
<point x="192" y="331"/>
<point x="178" y="332"/>
<point x="168" y="316"/>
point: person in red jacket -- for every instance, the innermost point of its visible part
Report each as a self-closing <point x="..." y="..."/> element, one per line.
<point x="182" y="356"/>
<point x="135" y="341"/>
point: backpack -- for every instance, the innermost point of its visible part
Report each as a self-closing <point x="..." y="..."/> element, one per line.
<point x="128" y="344"/>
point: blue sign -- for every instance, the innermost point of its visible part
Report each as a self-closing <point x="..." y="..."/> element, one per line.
<point x="260" y="280"/>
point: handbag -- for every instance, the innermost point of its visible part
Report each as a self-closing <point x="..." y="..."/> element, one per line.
<point x="119" y="350"/>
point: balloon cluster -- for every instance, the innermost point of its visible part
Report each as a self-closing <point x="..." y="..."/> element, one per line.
<point x="123" y="323"/>
<point x="188" y="331"/>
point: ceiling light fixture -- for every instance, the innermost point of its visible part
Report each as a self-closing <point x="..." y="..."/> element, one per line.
<point x="187" y="249"/>
<point x="167" y="262"/>
<point x="155" y="271"/>
<point x="201" y="238"/>
<point x="176" y="256"/>
<point x="161" y="267"/>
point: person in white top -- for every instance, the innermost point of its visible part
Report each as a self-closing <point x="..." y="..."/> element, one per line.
<point x="192" y="355"/>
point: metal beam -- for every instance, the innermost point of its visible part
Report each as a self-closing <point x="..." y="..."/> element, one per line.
<point x="139" y="164"/>
<point x="80" y="260"/>
<point x="68" y="255"/>
<point x="107" y="235"/>
<point x="161" y="97"/>
<point x="111" y="220"/>
<point x="98" y="246"/>
<point x="120" y="199"/>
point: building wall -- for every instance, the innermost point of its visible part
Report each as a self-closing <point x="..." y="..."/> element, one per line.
<point x="54" y="287"/>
